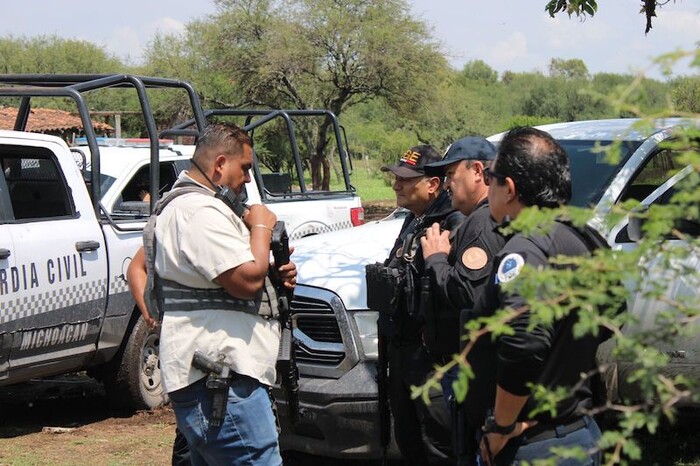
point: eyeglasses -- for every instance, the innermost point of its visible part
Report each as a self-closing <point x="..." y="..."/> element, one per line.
<point x="490" y="173"/>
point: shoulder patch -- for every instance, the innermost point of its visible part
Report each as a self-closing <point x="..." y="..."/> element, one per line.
<point x="474" y="258"/>
<point x="509" y="268"/>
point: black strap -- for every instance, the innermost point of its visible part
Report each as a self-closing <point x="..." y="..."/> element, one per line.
<point x="542" y="432"/>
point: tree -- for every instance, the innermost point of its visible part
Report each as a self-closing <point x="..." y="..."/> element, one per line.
<point x="686" y="94"/>
<point x="310" y="54"/>
<point x="51" y="54"/>
<point x="590" y="7"/>
<point x="568" y="69"/>
<point x="478" y="70"/>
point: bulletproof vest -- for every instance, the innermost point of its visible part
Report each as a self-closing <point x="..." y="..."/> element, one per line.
<point x="161" y="294"/>
<point x="402" y="272"/>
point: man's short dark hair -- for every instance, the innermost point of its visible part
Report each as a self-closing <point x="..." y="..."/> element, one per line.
<point x="538" y="165"/>
<point x="222" y="136"/>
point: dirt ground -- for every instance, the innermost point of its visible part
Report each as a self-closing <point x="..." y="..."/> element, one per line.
<point x="66" y="421"/>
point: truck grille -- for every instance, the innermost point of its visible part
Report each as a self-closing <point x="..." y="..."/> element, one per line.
<point x="317" y="332"/>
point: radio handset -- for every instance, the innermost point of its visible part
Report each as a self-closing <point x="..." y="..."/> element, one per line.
<point x="236" y="202"/>
<point x="232" y="200"/>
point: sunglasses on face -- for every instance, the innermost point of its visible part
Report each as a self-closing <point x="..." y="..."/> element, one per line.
<point x="490" y="173"/>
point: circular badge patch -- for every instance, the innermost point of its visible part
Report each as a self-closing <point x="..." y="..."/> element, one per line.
<point x="510" y="267"/>
<point x="474" y="258"/>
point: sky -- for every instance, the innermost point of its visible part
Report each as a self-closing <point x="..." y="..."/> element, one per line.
<point x="515" y="35"/>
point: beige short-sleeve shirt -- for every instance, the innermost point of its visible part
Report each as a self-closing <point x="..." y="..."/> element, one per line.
<point x="197" y="238"/>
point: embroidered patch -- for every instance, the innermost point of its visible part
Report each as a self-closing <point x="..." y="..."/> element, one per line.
<point x="509" y="268"/>
<point x="474" y="258"/>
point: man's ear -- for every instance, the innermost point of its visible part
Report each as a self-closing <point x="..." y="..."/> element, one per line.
<point x="434" y="184"/>
<point x="512" y="190"/>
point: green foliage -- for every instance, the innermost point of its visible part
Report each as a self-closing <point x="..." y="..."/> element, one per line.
<point x="568" y="69"/>
<point x="51" y="54"/>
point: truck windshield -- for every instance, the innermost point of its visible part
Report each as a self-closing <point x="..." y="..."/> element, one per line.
<point x="591" y="172"/>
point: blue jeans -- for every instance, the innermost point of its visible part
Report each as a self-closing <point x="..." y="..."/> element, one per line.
<point x="518" y="450"/>
<point x="248" y="434"/>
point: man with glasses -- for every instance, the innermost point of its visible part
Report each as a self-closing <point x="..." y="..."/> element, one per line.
<point x="531" y="169"/>
<point x="458" y="263"/>
<point x="421" y="431"/>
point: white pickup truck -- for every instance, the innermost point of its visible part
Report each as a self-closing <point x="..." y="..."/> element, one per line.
<point x="72" y="218"/>
<point x="337" y="334"/>
<point x="125" y="174"/>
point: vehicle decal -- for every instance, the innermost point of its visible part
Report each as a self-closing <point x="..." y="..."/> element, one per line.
<point x="23" y="277"/>
<point x="53" y="336"/>
<point x="318" y="229"/>
<point x="27" y="306"/>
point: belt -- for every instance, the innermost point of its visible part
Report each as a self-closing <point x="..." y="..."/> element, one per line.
<point x="542" y="432"/>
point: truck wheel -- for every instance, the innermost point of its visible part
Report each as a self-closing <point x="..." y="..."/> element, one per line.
<point x="135" y="379"/>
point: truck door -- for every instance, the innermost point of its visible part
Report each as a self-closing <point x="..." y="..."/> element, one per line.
<point x="53" y="292"/>
<point x="7" y="262"/>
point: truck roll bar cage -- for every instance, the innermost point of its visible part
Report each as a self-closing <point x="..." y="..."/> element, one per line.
<point x="73" y="86"/>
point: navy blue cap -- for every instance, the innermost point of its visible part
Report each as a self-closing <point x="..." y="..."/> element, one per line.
<point x="467" y="148"/>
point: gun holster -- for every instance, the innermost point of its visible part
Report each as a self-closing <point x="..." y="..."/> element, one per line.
<point x="219" y="376"/>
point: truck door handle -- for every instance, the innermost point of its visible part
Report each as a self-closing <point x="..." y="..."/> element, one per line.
<point x="4" y="253"/>
<point x="87" y="246"/>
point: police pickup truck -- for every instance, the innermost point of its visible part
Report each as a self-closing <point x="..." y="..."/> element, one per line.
<point x="71" y="219"/>
<point x="337" y="333"/>
<point x="125" y="182"/>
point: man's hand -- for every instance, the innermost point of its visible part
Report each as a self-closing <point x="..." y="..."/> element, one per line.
<point x="492" y="444"/>
<point x="259" y="215"/>
<point x="434" y="241"/>
<point x="288" y="272"/>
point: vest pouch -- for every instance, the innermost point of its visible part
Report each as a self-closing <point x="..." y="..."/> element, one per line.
<point x="384" y="284"/>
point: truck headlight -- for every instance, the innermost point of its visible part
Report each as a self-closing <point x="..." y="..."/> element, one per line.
<point x="366" y="322"/>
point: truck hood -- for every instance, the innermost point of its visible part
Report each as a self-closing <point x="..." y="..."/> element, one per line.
<point x="336" y="261"/>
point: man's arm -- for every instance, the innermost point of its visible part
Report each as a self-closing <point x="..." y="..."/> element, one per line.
<point x="136" y="277"/>
<point x="247" y="279"/>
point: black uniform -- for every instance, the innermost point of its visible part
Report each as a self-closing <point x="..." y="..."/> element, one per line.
<point x="546" y="355"/>
<point x="458" y="278"/>
<point x="421" y="432"/>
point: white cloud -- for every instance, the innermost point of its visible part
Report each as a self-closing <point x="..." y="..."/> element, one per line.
<point x="682" y="27"/>
<point x="512" y="48"/>
<point x="165" y="25"/>
<point x="125" y="42"/>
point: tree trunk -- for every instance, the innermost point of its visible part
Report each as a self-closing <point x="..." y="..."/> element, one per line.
<point x="320" y="167"/>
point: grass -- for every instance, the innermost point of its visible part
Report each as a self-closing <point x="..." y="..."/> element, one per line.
<point x="370" y="182"/>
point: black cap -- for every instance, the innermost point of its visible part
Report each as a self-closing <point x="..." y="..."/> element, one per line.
<point x="413" y="162"/>
<point x="467" y="148"/>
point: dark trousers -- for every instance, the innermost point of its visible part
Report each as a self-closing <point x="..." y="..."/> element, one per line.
<point x="422" y="431"/>
<point x="181" y="451"/>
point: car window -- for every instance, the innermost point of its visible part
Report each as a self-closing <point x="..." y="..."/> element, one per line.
<point x="591" y="173"/>
<point x="659" y="167"/>
<point x="36" y="186"/>
<point x="688" y="225"/>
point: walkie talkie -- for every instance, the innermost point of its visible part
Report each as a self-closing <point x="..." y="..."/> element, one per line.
<point x="236" y="202"/>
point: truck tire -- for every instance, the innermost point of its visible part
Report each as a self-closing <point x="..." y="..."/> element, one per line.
<point x="134" y="379"/>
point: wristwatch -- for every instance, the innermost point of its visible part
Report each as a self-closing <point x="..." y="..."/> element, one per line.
<point x="491" y="426"/>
